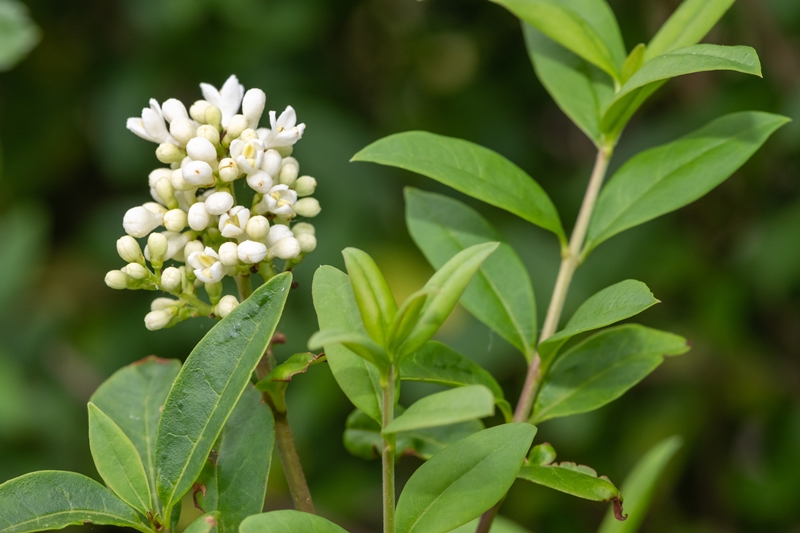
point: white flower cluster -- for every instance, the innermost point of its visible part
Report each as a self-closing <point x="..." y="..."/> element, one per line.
<point x="215" y="234"/>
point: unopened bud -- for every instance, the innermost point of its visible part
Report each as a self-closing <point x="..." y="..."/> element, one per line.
<point x="229" y="254"/>
<point x="260" y="181"/>
<point x="214" y="291"/>
<point x="157" y="246"/>
<point x="162" y="303"/>
<point x="271" y="163"/>
<point x="209" y="133"/>
<point x="257" y="228"/>
<point x="289" y="171"/>
<point x="201" y="149"/>
<point x="198" y="111"/>
<point x="198" y="217"/>
<point x="236" y="126"/>
<point x="226" y="304"/>
<point x="253" y="106"/>
<point x="307" y="243"/>
<point x="252" y="252"/>
<point x="171" y="279"/>
<point x="305" y="186"/>
<point x="178" y="183"/>
<point x="135" y="270"/>
<point x="219" y="202"/>
<point x="191" y="247"/>
<point x="175" y="220"/>
<point x="213" y="116"/>
<point x="169" y="153"/>
<point x="129" y="250"/>
<point x="159" y="319"/>
<point x="166" y="192"/>
<point x="303" y="228"/>
<point x="248" y="135"/>
<point x="286" y="248"/>
<point x="117" y="279"/>
<point x="139" y="221"/>
<point x="182" y="130"/>
<point x="228" y="170"/>
<point x="198" y="173"/>
<point x="307" y="207"/>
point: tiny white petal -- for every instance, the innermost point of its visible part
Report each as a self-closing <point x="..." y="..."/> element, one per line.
<point x="260" y="181"/>
<point x="201" y="149"/>
<point x="174" y="109"/>
<point x="252" y="252"/>
<point x="253" y="106"/>
<point x="219" y="202"/>
<point x="139" y="221"/>
<point x="198" y="173"/>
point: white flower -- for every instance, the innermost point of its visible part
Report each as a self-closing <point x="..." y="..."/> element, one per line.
<point x="227" y="304"/>
<point x="198" y="217"/>
<point x="207" y="267"/>
<point x="232" y="223"/>
<point x="278" y="232"/>
<point x="139" y="221"/>
<point x="272" y="162"/>
<point x="279" y="200"/>
<point x="151" y="126"/>
<point x="286" y="248"/>
<point x="129" y="250"/>
<point x="284" y="131"/>
<point x="257" y="228"/>
<point x="158" y="319"/>
<point x="248" y="155"/>
<point x="201" y="149"/>
<point x="307" y="207"/>
<point x="198" y="173"/>
<point x="227" y="99"/>
<point x="251" y="252"/>
<point x="117" y="279"/>
<point x="171" y="279"/>
<point x="229" y="253"/>
<point x="192" y="247"/>
<point x="228" y="170"/>
<point x="174" y="109"/>
<point x="175" y="220"/>
<point x="219" y="202"/>
<point x="176" y="243"/>
<point x="135" y="270"/>
<point x="253" y="106"/>
<point x="260" y="181"/>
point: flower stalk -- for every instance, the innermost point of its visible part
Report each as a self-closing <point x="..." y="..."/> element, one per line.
<point x="388" y="452"/>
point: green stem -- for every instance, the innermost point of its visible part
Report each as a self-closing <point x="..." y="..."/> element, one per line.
<point x="570" y="260"/>
<point x="388" y="454"/>
<point x="244" y="286"/>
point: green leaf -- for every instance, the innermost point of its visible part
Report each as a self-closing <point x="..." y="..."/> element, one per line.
<point x="445" y="408"/>
<point x="374" y="299"/>
<point x="209" y="385"/>
<point x="500" y="524"/>
<point x="445" y="287"/>
<point x="362" y="437"/>
<point x="464" y="480"/>
<point x="585" y="27"/>
<point x="288" y="522"/>
<point x="542" y="454"/>
<point x="336" y="309"/>
<point x="581" y="90"/>
<point x="133" y="398"/>
<point x="235" y="478"/>
<point x="438" y="363"/>
<point x="407" y="316"/>
<point x="640" y="485"/>
<point x="18" y="33"/>
<point x="298" y="363"/>
<point x="468" y="168"/>
<point x="687" y="26"/>
<point x="653" y="74"/>
<point x="576" y="480"/>
<point x="357" y="343"/>
<point x="204" y="524"/>
<point x="617" y="302"/>
<point x="668" y="177"/>
<point x="500" y="295"/>
<point x="51" y="499"/>
<point x="118" y="462"/>
<point x="601" y="368"/>
<point x="633" y="62"/>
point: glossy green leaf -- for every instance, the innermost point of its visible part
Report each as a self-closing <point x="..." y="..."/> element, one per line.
<point x="581" y="90"/>
<point x="438" y="363"/>
<point x="209" y="385"/>
<point x="601" y="368"/>
<point x="446" y="287"/>
<point x="357" y="343"/>
<point x="235" y="478"/>
<point x="687" y="26"/>
<point x="362" y="437"/>
<point x="576" y="480"/>
<point x="500" y="524"/>
<point x="407" y="316"/>
<point x="133" y="398"/>
<point x="464" y="480"/>
<point x="640" y="486"/>
<point x="204" y="524"/>
<point x="298" y="363"/>
<point x="617" y="302"/>
<point x="18" y="33"/>
<point x="668" y="177"/>
<point x="117" y="461"/>
<point x="688" y="60"/>
<point x="46" y="500"/>
<point x="500" y="295"/>
<point x="445" y="408"/>
<point x="373" y="296"/>
<point x="633" y="62"/>
<point x="288" y="522"/>
<point x="585" y="27"/>
<point x="468" y="168"/>
<point x="336" y="309"/>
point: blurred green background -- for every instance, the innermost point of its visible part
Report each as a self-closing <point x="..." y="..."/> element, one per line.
<point x="727" y="268"/>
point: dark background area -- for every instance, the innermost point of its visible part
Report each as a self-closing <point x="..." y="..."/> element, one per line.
<point x="726" y="268"/>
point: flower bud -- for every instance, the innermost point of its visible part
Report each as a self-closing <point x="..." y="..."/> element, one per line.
<point x="117" y="279"/>
<point x="285" y="151"/>
<point x="166" y="192"/>
<point x="228" y="170"/>
<point x="248" y="135"/>
<point x="252" y="252"/>
<point x="253" y="106"/>
<point x="305" y="186"/>
<point x="214" y="291"/>
<point x="174" y="110"/>
<point x="175" y="220"/>
<point x="198" y="217"/>
<point x="257" y="228"/>
<point x="229" y="254"/>
<point x="159" y="319"/>
<point x="278" y="232"/>
<point x="182" y="130"/>
<point x="139" y="221"/>
<point x="169" y="153"/>
<point x="303" y="228"/>
<point x="157" y="247"/>
<point x="158" y="209"/>
<point x="198" y="111"/>
<point x="176" y="242"/>
<point x="213" y="116"/>
<point x="201" y="149"/>
<point x="289" y="171"/>
<point x="286" y="248"/>
<point x="178" y="183"/>
<point x="307" y="242"/>
<point x="198" y="173"/>
<point x="227" y="304"/>
<point x="129" y="250"/>
<point x="157" y="174"/>
<point x="162" y="303"/>
<point x="192" y="247"/>
<point x="219" y="202"/>
<point x="209" y="133"/>
<point x="135" y="270"/>
<point x="271" y="163"/>
<point x="260" y="181"/>
<point x="307" y="207"/>
<point x="236" y="126"/>
<point x="171" y="279"/>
